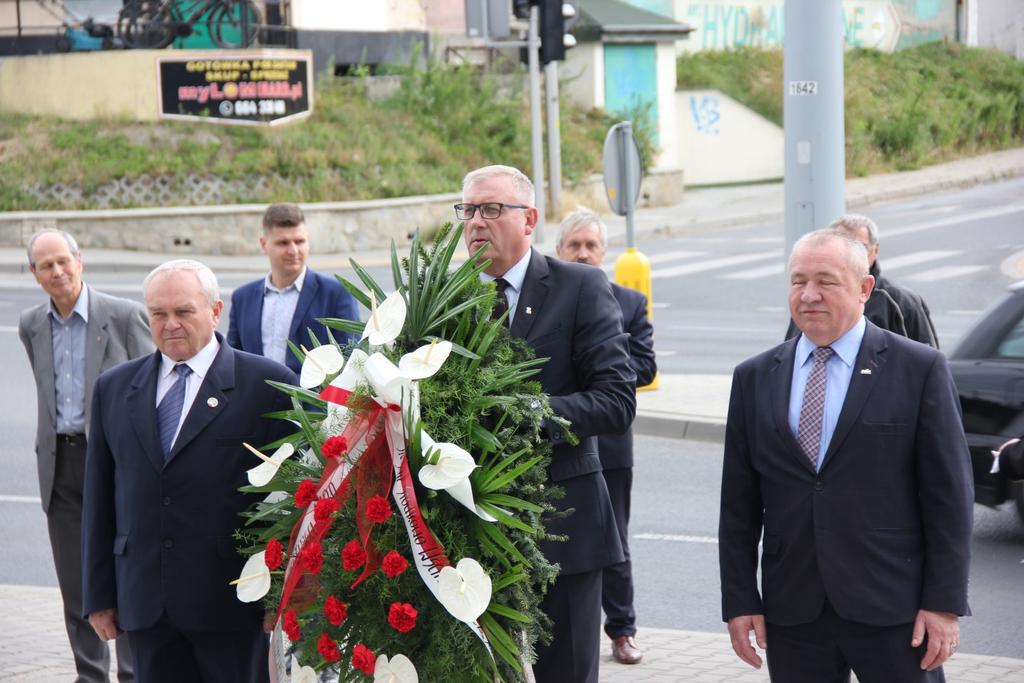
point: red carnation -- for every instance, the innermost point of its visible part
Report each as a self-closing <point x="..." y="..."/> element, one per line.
<point x="363" y="659"/>
<point x="291" y="626"/>
<point x="378" y="509"/>
<point x="353" y="556"/>
<point x="325" y="508"/>
<point x="305" y="494"/>
<point x="334" y="447"/>
<point x="312" y="557"/>
<point x="402" y="617"/>
<point x="393" y="564"/>
<point x="273" y="555"/>
<point x="327" y="648"/>
<point x="335" y="610"/>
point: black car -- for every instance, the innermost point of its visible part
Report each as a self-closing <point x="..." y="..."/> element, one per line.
<point x="988" y="367"/>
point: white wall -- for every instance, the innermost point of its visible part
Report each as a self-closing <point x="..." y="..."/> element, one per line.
<point x="582" y="73"/>
<point x="359" y="15"/>
<point x="997" y="24"/>
<point x="721" y="141"/>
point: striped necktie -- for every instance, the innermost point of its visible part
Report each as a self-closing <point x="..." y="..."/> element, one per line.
<point x="168" y="413"/>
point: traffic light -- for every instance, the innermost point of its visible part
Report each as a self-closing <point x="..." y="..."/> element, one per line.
<point x="521" y="8"/>
<point x="553" y="36"/>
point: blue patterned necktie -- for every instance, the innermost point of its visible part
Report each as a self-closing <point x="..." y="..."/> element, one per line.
<point x="168" y="413"/>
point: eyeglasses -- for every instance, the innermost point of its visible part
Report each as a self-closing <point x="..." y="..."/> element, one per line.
<point x="487" y="210"/>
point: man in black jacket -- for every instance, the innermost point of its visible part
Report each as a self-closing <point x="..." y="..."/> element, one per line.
<point x="890" y="307"/>
<point x="583" y="238"/>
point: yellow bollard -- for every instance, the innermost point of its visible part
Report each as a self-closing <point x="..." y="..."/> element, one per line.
<point x="633" y="270"/>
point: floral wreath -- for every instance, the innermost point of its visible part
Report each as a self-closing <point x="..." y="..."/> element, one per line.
<point x="423" y="447"/>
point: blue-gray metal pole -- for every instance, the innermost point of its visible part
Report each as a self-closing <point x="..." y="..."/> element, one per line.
<point x="813" y="114"/>
<point x="627" y="176"/>
<point x="536" y="139"/>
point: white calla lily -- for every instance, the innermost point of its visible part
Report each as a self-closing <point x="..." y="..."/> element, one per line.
<point x="302" y="674"/>
<point x="398" y="669"/>
<point x="265" y="471"/>
<point x="254" y="581"/>
<point x="425" y="361"/>
<point x="387" y="382"/>
<point x="454" y="465"/>
<point x="386" y="320"/>
<point x="464" y="590"/>
<point x="319" y="363"/>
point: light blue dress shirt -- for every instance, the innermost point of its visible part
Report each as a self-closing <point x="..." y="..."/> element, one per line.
<point x="278" y="311"/>
<point x="69" y="364"/>
<point x="838" y="371"/>
<point x="514" y="276"/>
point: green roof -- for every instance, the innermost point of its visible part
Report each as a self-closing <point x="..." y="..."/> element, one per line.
<point x="618" y="21"/>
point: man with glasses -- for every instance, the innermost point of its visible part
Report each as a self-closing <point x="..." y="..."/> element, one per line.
<point x="565" y="312"/>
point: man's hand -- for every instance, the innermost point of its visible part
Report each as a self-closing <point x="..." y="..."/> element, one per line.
<point x="104" y="623"/>
<point x="739" y="633"/>
<point x="943" y="629"/>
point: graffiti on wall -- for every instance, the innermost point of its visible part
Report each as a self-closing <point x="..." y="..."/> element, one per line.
<point x="705" y="113"/>
<point x="879" y="24"/>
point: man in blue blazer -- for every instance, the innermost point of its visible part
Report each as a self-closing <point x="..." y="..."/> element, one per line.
<point x="566" y="313"/>
<point x="583" y="238"/>
<point x="844" y="446"/>
<point x="283" y="306"/>
<point x="164" y="463"/>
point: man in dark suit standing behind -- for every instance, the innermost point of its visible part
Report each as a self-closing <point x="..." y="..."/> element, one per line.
<point x="567" y="313"/>
<point x="165" y="461"/>
<point x="844" y="446"/>
<point x="583" y="238"/>
<point x="283" y="306"/>
<point x="73" y="337"/>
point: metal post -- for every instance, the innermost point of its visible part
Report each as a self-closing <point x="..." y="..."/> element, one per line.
<point x="813" y="114"/>
<point x="537" y="144"/>
<point x="554" y="134"/>
<point x="245" y="22"/>
<point x="627" y="173"/>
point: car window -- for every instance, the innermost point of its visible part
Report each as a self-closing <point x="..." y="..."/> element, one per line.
<point x="1012" y="345"/>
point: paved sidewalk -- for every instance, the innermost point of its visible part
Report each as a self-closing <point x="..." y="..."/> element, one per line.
<point x="35" y="650"/>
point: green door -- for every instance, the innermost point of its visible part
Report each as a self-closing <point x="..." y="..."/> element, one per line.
<point x="630" y="82"/>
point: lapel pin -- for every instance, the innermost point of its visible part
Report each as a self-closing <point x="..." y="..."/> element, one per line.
<point x="529" y="311"/>
<point x="865" y="371"/>
<point x="212" y="402"/>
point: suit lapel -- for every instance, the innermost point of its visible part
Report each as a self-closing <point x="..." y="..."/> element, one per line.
<point x="870" y="357"/>
<point x="533" y="295"/>
<point x="141" y="400"/>
<point x="781" y="384"/>
<point x="310" y="285"/>
<point x="96" y="338"/>
<point x="211" y="400"/>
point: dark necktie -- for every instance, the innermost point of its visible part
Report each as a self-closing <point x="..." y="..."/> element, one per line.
<point x="168" y="413"/>
<point x="501" y="303"/>
<point x="813" y="408"/>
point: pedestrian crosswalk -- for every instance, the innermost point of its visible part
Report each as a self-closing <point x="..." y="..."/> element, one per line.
<point x="928" y="265"/>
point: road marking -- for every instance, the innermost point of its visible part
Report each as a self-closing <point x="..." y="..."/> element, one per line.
<point x="966" y="312"/>
<point x="663" y="257"/>
<point x="714" y="264"/>
<point x="915" y="258"/>
<point x="8" y="328"/>
<point x="676" y="538"/>
<point x="753" y="273"/>
<point x="944" y="273"/>
<point x="19" y="499"/>
<point x="957" y="220"/>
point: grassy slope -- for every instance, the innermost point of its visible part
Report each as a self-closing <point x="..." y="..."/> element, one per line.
<point x="904" y="110"/>
<point x="421" y="140"/>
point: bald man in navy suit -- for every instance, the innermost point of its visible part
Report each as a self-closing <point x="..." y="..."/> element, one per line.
<point x="846" y="460"/>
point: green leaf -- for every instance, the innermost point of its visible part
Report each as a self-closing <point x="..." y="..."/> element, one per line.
<point x="509" y="613"/>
